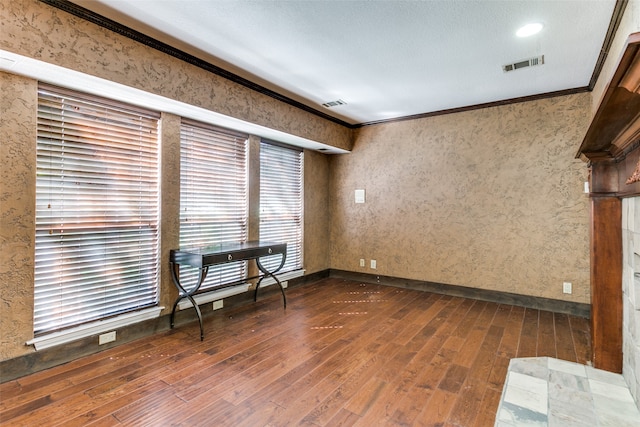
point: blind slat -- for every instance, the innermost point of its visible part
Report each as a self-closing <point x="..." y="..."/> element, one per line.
<point x="281" y="206"/>
<point x="96" y="209"/>
<point x="213" y="196"/>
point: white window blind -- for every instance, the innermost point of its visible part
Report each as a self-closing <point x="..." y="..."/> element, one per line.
<point x="213" y="196"/>
<point x="97" y="221"/>
<point x="281" y="201"/>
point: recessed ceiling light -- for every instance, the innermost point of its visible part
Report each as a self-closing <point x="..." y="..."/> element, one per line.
<point x="529" y="29"/>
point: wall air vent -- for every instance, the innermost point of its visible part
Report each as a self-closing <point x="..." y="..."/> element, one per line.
<point x="538" y="60"/>
<point x="334" y="103"/>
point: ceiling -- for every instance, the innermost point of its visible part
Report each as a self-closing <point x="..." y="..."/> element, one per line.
<point x="386" y="59"/>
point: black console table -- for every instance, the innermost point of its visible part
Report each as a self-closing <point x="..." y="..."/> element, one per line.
<point x="205" y="257"/>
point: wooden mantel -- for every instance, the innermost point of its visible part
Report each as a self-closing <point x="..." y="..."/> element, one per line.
<point x="616" y="124"/>
<point x="611" y="147"/>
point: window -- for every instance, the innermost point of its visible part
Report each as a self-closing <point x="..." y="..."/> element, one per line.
<point x="97" y="220"/>
<point x="281" y="201"/>
<point x="213" y="195"/>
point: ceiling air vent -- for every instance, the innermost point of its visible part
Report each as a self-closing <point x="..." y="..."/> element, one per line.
<point x="538" y="60"/>
<point x="334" y="103"/>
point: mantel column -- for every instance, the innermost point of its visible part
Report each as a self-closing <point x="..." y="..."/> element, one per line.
<point x="606" y="267"/>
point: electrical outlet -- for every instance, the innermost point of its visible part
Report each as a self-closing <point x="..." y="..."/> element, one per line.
<point x="217" y="305"/>
<point x="108" y="337"/>
<point x="566" y="287"/>
<point x="374" y="264"/>
<point x="361" y="262"/>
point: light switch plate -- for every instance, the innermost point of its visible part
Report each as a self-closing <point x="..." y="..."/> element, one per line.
<point x="359" y="196"/>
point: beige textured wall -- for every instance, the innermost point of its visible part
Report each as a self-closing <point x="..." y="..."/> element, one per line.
<point x="169" y="202"/>
<point x="33" y="29"/>
<point x="630" y="23"/>
<point x="489" y="198"/>
<point x="316" y="212"/>
<point x="18" y="103"/>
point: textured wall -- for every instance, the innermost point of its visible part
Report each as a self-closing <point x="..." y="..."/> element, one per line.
<point x="489" y="198"/>
<point x="169" y="203"/>
<point x="18" y="102"/>
<point x="33" y="29"/>
<point x="39" y="31"/>
<point x="316" y="212"/>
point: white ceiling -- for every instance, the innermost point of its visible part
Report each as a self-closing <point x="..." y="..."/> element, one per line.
<point x="385" y="58"/>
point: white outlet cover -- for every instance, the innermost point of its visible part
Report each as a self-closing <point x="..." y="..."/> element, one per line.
<point x="359" y="196"/>
<point x="107" y="337"/>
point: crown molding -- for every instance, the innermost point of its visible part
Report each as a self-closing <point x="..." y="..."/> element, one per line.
<point x="130" y="33"/>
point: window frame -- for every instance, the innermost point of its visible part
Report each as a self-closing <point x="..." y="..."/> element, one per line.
<point x="84" y="147"/>
<point x="277" y="157"/>
<point x="201" y="192"/>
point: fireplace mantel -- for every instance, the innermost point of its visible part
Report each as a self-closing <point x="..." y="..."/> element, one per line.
<point x="615" y="128"/>
<point x="612" y="149"/>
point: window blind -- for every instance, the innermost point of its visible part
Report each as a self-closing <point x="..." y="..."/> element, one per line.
<point x="97" y="204"/>
<point x="213" y="196"/>
<point x="281" y="201"/>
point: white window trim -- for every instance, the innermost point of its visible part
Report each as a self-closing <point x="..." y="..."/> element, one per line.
<point x="94" y="328"/>
<point x="100" y="326"/>
<point x="214" y="296"/>
<point x="283" y="278"/>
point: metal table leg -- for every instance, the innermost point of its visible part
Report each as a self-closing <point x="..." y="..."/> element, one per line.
<point x="267" y="273"/>
<point x="183" y="293"/>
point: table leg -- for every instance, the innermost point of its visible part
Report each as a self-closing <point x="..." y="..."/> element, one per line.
<point x="267" y="273"/>
<point x="183" y="293"/>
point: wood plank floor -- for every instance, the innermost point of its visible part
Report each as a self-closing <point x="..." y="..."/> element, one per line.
<point x="343" y="353"/>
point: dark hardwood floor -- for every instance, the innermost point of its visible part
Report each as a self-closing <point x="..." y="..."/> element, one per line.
<point x="343" y="353"/>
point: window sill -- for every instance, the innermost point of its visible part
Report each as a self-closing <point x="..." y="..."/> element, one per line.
<point x="225" y="293"/>
<point x="93" y="328"/>
<point x="283" y="278"/>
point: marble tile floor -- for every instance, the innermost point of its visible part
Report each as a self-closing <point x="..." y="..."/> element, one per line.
<point x="543" y="391"/>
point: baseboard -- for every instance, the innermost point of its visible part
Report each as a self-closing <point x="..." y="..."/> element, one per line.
<point x="37" y="361"/>
<point x="40" y="360"/>
<point x="308" y="278"/>
<point x="539" y="303"/>
<point x="43" y="359"/>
